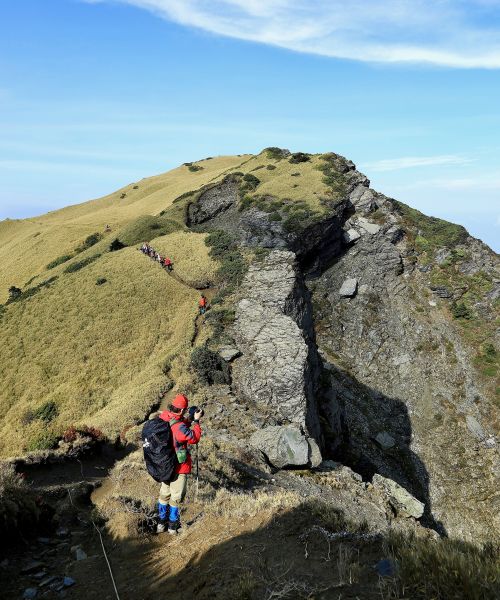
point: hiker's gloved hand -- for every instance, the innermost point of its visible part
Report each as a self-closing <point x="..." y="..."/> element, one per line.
<point x="198" y="414"/>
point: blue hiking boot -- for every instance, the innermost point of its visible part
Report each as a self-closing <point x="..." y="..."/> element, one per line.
<point x="163" y="517"/>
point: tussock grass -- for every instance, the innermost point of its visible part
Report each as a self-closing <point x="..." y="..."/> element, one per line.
<point x="444" y="569"/>
<point x="95" y="352"/>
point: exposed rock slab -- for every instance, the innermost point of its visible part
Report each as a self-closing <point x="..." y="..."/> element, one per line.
<point x="273" y="330"/>
<point x="400" y="499"/>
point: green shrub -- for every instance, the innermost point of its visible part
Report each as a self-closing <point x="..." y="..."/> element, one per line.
<point x="232" y="269"/>
<point x="299" y="157"/>
<point x="76" y="266"/>
<point x="115" y="245"/>
<point x="59" y="260"/>
<point x="194" y="168"/>
<point x="271" y="167"/>
<point x="219" y="320"/>
<point x="460" y="311"/>
<point x="27" y="293"/>
<point x="47" y="412"/>
<point x="249" y="184"/>
<point x="275" y="153"/>
<point x="437" y="232"/>
<point x="220" y="242"/>
<point x="100" y="280"/>
<point x="88" y="242"/>
<point x="44" y="441"/>
<point x="209" y="367"/>
<point x="275" y="216"/>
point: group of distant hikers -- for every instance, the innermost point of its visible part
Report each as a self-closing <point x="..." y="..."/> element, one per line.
<point x="164" y="261"/>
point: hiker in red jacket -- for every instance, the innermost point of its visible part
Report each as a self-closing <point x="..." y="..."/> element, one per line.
<point x="168" y="263"/>
<point x="173" y="493"/>
<point x="202" y="304"/>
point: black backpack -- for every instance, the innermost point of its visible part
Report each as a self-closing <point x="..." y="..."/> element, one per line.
<point x="159" y="452"/>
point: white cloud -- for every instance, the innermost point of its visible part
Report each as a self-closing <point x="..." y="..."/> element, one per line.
<point x="410" y="162"/>
<point x="453" y="33"/>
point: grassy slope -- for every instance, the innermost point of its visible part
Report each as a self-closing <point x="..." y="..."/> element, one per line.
<point x="27" y="246"/>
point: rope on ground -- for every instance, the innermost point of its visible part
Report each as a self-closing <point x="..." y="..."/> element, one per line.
<point x="100" y="537"/>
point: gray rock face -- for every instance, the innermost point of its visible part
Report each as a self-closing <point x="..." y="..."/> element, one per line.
<point x="349" y="288"/>
<point x="401" y="500"/>
<point x="283" y="446"/>
<point x="371" y="228"/>
<point x="273" y="330"/>
<point x="212" y="202"/>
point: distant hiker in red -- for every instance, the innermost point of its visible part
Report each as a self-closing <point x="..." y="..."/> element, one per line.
<point x="202" y="304"/>
<point x="173" y="492"/>
<point x="168" y="264"/>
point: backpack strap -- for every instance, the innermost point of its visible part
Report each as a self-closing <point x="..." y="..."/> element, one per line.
<point x="180" y="451"/>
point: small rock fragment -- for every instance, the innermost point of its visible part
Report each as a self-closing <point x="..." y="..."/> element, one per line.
<point x="34" y="565"/>
<point x="349" y="288"/>
<point x="385" y="440"/>
<point x="30" y="593"/>
<point x="351" y="235"/>
<point x="80" y="554"/>
<point x="229" y="353"/>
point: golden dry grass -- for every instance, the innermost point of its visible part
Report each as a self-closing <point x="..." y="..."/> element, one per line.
<point x="189" y="255"/>
<point x="28" y="245"/>
<point x="96" y="351"/>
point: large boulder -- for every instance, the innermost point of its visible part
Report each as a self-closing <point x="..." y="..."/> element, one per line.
<point x="283" y="446"/>
<point x="400" y="499"/>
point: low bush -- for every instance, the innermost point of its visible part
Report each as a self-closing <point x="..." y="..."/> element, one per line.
<point x="275" y="216"/>
<point x="116" y="244"/>
<point x="15" y="296"/>
<point x="299" y="157"/>
<point x="88" y="242"/>
<point x="275" y="153"/>
<point x="47" y="412"/>
<point x="72" y="433"/>
<point x="271" y="167"/>
<point x="209" y="367"/>
<point x="460" y="311"/>
<point x="100" y="280"/>
<point x="249" y="183"/>
<point x="232" y="269"/>
<point x="59" y="261"/>
<point x="76" y="266"/>
<point x="194" y="168"/>
<point x="220" y="242"/>
<point x="46" y="440"/>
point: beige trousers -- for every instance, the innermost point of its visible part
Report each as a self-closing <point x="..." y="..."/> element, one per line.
<point x="174" y="491"/>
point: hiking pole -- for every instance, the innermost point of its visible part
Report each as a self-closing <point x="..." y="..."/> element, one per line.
<point x="197" y="473"/>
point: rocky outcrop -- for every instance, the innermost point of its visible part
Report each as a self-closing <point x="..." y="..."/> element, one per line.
<point x="212" y="202"/>
<point x="279" y="368"/>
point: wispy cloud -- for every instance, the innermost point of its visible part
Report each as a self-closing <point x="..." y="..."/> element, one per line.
<point x="453" y="33"/>
<point x="410" y="162"/>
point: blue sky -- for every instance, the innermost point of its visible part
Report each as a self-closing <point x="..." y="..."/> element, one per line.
<point x="96" y="94"/>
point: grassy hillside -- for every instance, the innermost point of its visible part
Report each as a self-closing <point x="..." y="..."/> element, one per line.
<point x="91" y="346"/>
<point x="28" y="245"/>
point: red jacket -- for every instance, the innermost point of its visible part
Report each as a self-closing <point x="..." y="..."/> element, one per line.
<point x="183" y="436"/>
